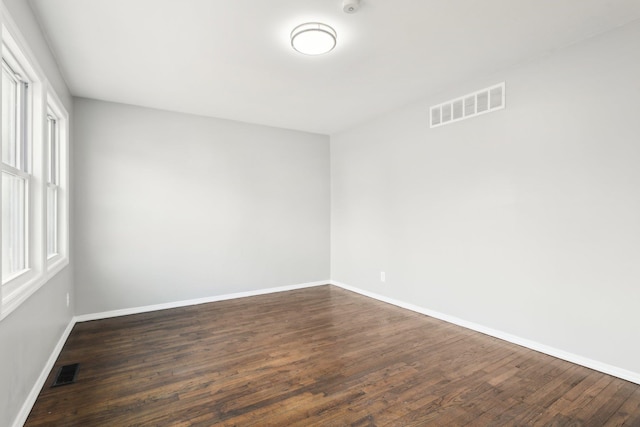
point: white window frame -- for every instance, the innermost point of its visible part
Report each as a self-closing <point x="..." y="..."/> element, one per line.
<point x="41" y="100"/>
<point x="54" y="108"/>
<point x="22" y="169"/>
<point x="53" y="249"/>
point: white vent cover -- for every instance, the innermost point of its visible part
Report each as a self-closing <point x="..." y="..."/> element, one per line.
<point x="473" y="104"/>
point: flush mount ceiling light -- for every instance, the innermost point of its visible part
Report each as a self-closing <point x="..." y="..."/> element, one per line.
<point x="313" y="38"/>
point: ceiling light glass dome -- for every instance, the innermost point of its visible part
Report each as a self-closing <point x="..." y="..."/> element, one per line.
<point x="313" y="38"/>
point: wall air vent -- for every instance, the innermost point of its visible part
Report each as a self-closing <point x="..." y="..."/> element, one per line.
<point x="473" y="104"/>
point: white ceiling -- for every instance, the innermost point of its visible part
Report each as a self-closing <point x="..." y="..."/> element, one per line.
<point x="232" y="58"/>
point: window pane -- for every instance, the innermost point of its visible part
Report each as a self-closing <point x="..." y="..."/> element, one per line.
<point x="52" y="221"/>
<point x="52" y="144"/>
<point x="9" y="108"/>
<point x="13" y="225"/>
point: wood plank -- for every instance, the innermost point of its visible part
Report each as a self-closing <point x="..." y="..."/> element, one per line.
<point x="317" y="356"/>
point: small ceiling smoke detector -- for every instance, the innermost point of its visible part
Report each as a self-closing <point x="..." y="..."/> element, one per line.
<point x="313" y="38"/>
<point x="350" y="6"/>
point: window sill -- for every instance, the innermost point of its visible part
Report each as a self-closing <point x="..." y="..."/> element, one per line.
<point x="12" y="301"/>
<point x="16" y="275"/>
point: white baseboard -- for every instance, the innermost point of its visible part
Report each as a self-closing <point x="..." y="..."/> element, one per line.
<point x="21" y="418"/>
<point x="184" y="303"/>
<point x="634" y="377"/>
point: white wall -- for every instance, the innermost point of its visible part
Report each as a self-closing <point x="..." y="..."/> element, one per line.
<point x="27" y="339"/>
<point x="172" y="207"/>
<point x="526" y="220"/>
<point x="29" y="334"/>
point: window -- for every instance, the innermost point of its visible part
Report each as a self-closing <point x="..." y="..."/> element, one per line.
<point x="56" y="199"/>
<point x="33" y="174"/>
<point x="53" y="181"/>
<point x="15" y="173"/>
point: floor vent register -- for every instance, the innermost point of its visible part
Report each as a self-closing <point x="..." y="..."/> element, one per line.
<point x="66" y="375"/>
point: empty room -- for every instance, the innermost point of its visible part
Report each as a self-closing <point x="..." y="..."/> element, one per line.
<point x="320" y="213"/>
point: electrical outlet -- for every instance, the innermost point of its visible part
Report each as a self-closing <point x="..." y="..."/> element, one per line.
<point x="68" y="300"/>
<point x="382" y="276"/>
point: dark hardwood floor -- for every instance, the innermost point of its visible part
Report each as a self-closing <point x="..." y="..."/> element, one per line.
<point x="317" y="357"/>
